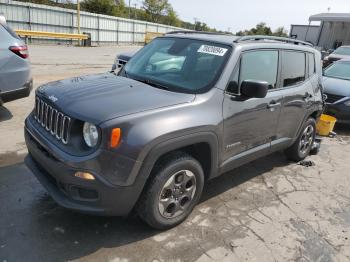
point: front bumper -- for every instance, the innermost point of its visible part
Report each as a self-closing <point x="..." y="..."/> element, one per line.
<point x="98" y="196"/>
<point x="340" y="111"/>
<point x="22" y="92"/>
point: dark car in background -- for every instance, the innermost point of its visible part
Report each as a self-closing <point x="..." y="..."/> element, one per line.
<point x="336" y="84"/>
<point x="122" y="59"/>
<point x="342" y="52"/>
<point x="15" y="73"/>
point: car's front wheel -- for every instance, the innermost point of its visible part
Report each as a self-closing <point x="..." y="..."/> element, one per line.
<point x="303" y="145"/>
<point x="176" y="186"/>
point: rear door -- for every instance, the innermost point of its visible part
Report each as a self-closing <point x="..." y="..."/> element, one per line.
<point x="250" y="124"/>
<point x="298" y="95"/>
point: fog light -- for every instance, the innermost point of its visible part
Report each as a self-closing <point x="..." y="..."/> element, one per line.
<point x="84" y="175"/>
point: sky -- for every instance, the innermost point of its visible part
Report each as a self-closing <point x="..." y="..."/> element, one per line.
<point x="240" y="15"/>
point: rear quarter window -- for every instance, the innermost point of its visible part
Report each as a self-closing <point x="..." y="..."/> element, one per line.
<point x="293" y="68"/>
<point x="312" y="69"/>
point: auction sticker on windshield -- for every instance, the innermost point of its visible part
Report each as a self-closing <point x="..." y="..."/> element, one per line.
<point x="213" y="50"/>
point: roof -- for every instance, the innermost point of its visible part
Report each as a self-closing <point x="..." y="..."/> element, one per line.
<point x="316" y="26"/>
<point x="331" y="17"/>
<point x="205" y="36"/>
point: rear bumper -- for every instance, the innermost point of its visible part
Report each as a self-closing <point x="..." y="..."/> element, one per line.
<point x="22" y="92"/>
<point x="340" y="111"/>
<point x="99" y="196"/>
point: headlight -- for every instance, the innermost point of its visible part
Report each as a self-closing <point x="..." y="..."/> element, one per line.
<point x="325" y="58"/>
<point x="90" y="134"/>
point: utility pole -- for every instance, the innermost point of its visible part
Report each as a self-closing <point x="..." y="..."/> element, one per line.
<point x="135" y="11"/>
<point x="78" y="16"/>
<point x="195" y="22"/>
<point x="129" y="9"/>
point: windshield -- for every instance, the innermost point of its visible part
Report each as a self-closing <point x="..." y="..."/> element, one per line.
<point x="342" y="51"/>
<point x="338" y="70"/>
<point x="182" y="65"/>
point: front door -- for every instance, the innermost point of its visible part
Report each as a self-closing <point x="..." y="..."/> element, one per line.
<point x="250" y="124"/>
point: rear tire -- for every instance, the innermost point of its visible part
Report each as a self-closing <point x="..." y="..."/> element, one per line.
<point x="302" y="146"/>
<point x="176" y="186"/>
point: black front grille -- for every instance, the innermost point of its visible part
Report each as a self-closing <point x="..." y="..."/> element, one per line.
<point x="333" y="98"/>
<point x="52" y="121"/>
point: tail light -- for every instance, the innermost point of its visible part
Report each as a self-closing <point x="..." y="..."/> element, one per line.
<point x="21" y="51"/>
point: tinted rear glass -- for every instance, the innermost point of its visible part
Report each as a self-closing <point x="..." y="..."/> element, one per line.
<point x="293" y="68"/>
<point x="342" y="51"/>
<point x="338" y="70"/>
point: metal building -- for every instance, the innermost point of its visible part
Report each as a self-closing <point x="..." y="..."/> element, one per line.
<point x="308" y="33"/>
<point x="334" y="30"/>
<point x="103" y="29"/>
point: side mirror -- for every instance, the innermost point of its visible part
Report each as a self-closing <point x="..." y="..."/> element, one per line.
<point x="254" y="88"/>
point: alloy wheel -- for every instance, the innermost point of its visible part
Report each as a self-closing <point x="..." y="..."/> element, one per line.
<point x="306" y="139"/>
<point x="177" y="194"/>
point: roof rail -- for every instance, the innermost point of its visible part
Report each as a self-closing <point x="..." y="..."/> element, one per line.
<point x="274" y="38"/>
<point x="195" y="32"/>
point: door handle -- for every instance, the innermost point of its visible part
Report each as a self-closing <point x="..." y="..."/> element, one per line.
<point x="273" y="104"/>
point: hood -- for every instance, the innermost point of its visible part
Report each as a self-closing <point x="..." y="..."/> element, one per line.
<point x="336" y="86"/>
<point x="97" y="98"/>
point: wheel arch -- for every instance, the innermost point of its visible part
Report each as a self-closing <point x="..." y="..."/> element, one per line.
<point x="188" y="143"/>
<point x="202" y="146"/>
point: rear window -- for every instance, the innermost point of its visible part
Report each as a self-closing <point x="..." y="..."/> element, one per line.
<point x="338" y="70"/>
<point x="10" y="31"/>
<point x="293" y="68"/>
<point x="342" y="51"/>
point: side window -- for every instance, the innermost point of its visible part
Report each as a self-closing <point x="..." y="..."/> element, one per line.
<point x="259" y="65"/>
<point x="312" y="69"/>
<point x="293" y="68"/>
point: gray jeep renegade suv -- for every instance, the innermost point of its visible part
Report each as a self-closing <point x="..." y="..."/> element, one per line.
<point x="186" y="108"/>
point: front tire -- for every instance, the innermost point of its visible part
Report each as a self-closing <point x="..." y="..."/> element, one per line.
<point x="303" y="145"/>
<point x="173" y="192"/>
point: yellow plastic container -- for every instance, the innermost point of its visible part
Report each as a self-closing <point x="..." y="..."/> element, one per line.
<point x="325" y="125"/>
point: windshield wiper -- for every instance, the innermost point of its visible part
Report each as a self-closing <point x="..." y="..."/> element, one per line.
<point x="152" y="83"/>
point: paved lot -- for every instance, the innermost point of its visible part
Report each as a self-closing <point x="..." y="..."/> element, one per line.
<point x="269" y="210"/>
